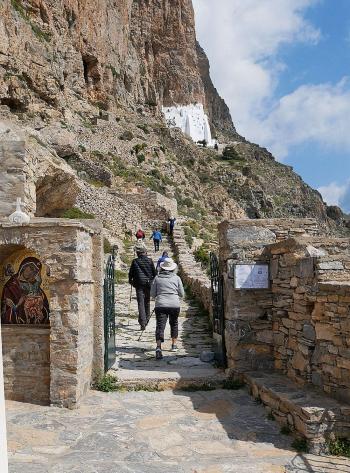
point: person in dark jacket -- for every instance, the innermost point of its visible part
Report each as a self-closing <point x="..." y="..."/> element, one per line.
<point x="157" y="238"/>
<point x="141" y="274"/>
<point x="171" y="222"/>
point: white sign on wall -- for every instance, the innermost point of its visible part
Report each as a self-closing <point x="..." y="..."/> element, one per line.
<point x="251" y="276"/>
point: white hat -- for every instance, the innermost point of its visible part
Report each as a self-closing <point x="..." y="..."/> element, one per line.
<point x="168" y="265"/>
<point x="140" y="248"/>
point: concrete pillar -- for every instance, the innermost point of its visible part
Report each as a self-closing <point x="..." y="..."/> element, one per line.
<point x="3" y="441"/>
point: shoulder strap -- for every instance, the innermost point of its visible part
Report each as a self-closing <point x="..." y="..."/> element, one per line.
<point x="142" y="270"/>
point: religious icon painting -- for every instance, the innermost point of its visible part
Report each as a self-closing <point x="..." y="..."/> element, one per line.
<point x="23" y="300"/>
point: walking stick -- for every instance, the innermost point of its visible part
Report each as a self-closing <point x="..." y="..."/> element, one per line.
<point x="129" y="306"/>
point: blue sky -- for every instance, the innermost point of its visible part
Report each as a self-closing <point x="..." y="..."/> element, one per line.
<point x="283" y="67"/>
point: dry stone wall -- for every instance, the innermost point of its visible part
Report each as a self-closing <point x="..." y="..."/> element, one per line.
<point x="191" y="272"/>
<point x="310" y="315"/>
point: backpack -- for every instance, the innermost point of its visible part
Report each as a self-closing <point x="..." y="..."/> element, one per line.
<point x="139" y="234"/>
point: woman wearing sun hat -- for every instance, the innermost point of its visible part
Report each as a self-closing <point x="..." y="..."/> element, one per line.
<point x="167" y="289"/>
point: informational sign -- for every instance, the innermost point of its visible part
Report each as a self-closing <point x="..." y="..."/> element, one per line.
<point x="251" y="276"/>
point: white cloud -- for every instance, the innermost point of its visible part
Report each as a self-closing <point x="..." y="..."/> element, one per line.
<point x="333" y="193"/>
<point x="337" y="194"/>
<point x="312" y="113"/>
<point x="242" y="39"/>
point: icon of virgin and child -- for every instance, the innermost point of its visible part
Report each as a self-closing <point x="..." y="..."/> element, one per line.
<point x="23" y="301"/>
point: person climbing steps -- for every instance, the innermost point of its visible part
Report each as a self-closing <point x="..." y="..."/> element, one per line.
<point x="157" y="238"/>
<point x="167" y="289"/>
<point x="141" y="275"/>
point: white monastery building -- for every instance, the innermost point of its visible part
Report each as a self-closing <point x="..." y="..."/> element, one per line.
<point x="192" y="120"/>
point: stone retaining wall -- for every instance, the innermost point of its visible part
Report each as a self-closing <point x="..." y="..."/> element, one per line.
<point x="26" y="357"/>
<point x="191" y="272"/>
<point x="311" y="312"/>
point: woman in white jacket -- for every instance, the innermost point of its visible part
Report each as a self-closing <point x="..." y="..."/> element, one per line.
<point x="167" y="289"/>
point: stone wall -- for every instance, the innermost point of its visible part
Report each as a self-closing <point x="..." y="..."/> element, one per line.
<point x="191" y="272"/>
<point x="26" y="358"/>
<point x="248" y="313"/>
<point x="66" y="247"/>
<point x="311" y="295"/>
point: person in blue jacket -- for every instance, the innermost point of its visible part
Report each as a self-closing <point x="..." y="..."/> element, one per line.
<point x="157" y="238"/>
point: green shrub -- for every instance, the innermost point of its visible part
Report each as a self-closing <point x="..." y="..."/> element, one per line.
<point x="127" y="135"/>
<point x="115" y="73"/>
<point x="233" y="384"/>
<point x="286" y="430"/>
<point x="339" y="447"/>
<point x="106" y="383"/>
<point x="139" y="147"/>
<point x="189" y="236"/>
<point x="107" y="247"/>
<point x="75" y="213"/>
<point x="300" y="445"/>
<point x="141" y="158"/>
<point x="39" y="33"/>
<point x="230" y="153"/>
<point x="82" y="148"/>
<point x="144" y="128"/>
<point x="201" y="255"/>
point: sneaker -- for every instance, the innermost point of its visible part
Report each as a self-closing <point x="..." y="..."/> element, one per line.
<point x="173" y="347"/>
<point x="159" y="354"/>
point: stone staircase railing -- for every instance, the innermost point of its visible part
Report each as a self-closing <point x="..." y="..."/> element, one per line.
<point x="191" y="272"/>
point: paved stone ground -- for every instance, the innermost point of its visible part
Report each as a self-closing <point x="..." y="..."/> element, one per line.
<point x="136" y="362"/>
<point x="172" y="431"/>
<point x="156" y="432"/>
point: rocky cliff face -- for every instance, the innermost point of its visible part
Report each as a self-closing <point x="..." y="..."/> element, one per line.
<point x="85" y="81"/>
<point x="125" y="52"/>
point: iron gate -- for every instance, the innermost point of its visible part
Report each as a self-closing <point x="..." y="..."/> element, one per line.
<point x="217" y="292"/>
<point x="109" y="313"/>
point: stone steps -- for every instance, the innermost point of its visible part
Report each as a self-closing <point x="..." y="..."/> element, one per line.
<point x="309" y="413"/>
<point x="136" y="365"/>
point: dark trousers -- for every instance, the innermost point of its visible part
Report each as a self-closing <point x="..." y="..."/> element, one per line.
<point x="156" y="245"/>
<point x="144" y="304"/>
<point x="162" y="314"/>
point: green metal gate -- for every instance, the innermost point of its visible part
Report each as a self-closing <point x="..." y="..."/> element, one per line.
<point x="217" y="293"/>
<point x="109" y="313"/>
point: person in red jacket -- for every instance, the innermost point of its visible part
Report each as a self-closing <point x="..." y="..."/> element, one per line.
<point x="140" y="234"/>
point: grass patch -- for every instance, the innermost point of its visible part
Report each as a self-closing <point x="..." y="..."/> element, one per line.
<point x="107" y="383"/>
<point x="339" y="447"/>
<point x="126" y="259"/>
<point x="120" y="276"/>
<point x="75" y="213"/>
<point x="201" y="255"/>
<point x="300" y="445"/>
<point x="233" y="384"/>
<point x="198" y="387"/>
<point x="258" y="400"/>
<point x="286" y="430"/>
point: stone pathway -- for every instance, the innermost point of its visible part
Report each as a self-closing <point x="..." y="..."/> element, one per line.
<point x="136" y="362"/>
<point x="156" y="432"/>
